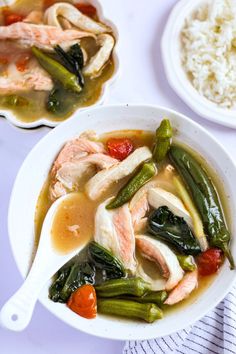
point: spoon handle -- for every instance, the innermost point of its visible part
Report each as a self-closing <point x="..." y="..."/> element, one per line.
<point x="17" y="311"/>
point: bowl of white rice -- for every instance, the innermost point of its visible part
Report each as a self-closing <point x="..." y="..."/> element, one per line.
<point x="199" y="56"/>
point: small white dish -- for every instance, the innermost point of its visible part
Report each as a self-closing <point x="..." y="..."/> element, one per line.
<point x="9" y="115"/>
<point x="34" y="172"/>
<point x="176" y="75"/>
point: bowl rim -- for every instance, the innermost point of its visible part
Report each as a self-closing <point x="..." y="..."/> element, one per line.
<point x="9" y="115"/>
<point x="44" y="301"/>
<point x="176" y="76"/>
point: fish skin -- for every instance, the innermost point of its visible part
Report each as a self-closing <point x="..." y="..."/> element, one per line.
<point x="98" y="184"/>
<point x="42" y="36"/>
<point x="114" y="231"/>
<point x="183" y="289"/>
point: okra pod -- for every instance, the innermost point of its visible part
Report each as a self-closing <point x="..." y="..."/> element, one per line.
<point x="163" y="140"/>
<point x="155" y="297"/>
<point x="147" y="171"/>
<point x="117" y="287"/>
<point x="148" y="312"/>
<point x="57" y="71"/>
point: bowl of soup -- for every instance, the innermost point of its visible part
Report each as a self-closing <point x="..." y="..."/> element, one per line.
<point x="57" y="58"/>
<point x="143" y="188"/>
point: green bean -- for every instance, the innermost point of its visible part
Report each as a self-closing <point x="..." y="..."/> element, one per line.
<point x="147" y="171"/>
<point x="163" y="140"/>
<point x="131" y="309"/>
<point x="117" y="287"/>
<point x="57" y="71"/>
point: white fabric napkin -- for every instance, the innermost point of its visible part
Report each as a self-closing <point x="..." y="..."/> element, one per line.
<point x="213" y="334"/>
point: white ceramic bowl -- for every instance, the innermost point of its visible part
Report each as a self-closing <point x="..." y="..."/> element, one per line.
<point x="12" y="117"/>
<point x="33" y="174"/>
<point x="176" y="75"/>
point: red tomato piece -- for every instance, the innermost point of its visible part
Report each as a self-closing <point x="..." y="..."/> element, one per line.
<point x="22" y="62"/>
<point x="48" y="3"/>
<point x="11" y="17"/>
<point x="83" y="301"/>
<point x="209" y="261"/>
<point x="87" y="9"/>
<point x="119" y="148"/>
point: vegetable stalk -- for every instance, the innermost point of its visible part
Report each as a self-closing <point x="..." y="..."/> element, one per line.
<point x="187" y="263"/>
<point x="197" y="222"/>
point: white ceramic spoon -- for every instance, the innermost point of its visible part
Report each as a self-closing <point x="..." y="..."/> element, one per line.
<point x="17" y="312"/>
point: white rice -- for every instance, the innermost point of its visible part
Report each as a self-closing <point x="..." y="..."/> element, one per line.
<point x="209" y="51"/>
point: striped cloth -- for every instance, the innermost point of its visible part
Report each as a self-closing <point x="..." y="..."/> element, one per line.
<point x="213" y="334"/>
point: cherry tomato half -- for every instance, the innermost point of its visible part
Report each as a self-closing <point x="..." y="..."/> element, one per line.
<point x="119" y="148"/>
<point x="83" y="301"/>
<point x="209" y="261"/>
<point x="48" y="3"/>
<point x="11" y="17"/>
<point x="86" y="9"/>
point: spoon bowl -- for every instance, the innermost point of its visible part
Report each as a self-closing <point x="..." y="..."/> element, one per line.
<point x="17" y="312"/>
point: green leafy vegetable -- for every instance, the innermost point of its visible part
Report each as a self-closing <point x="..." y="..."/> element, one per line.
<point x="205" y="197"/>
<point x="58" y="102"/>
<point x="73" y="60"/>
<point x="147" y="171"/>
<point x="163" y="140"/>
<point x="104" y="260"/>
<point x="69" y="278"/>
<point x="131" y="309"/>
<point x="173" y="230"/>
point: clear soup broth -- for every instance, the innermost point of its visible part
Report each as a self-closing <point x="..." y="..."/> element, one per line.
<point x="81" y="212"/>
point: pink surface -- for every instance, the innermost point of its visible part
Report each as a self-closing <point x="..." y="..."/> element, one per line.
<point x="142" y="80"/>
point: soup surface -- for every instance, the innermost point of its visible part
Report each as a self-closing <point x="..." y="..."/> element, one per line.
<point x="84" y="217"/>
<point x="18" y="91"/>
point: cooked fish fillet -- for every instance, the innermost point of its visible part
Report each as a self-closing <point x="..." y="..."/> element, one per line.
<point x="77" y="148"/>
<point x="70" y="173"/>
<point x="103" y="179"/>
<point x="78" y="161"/>
<point x="158" y="252"/>
<point x="41" y="36"/>
<point x="183" y="289"/>
<point x="32" y="78"/>
<point x="114" y="231"/>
